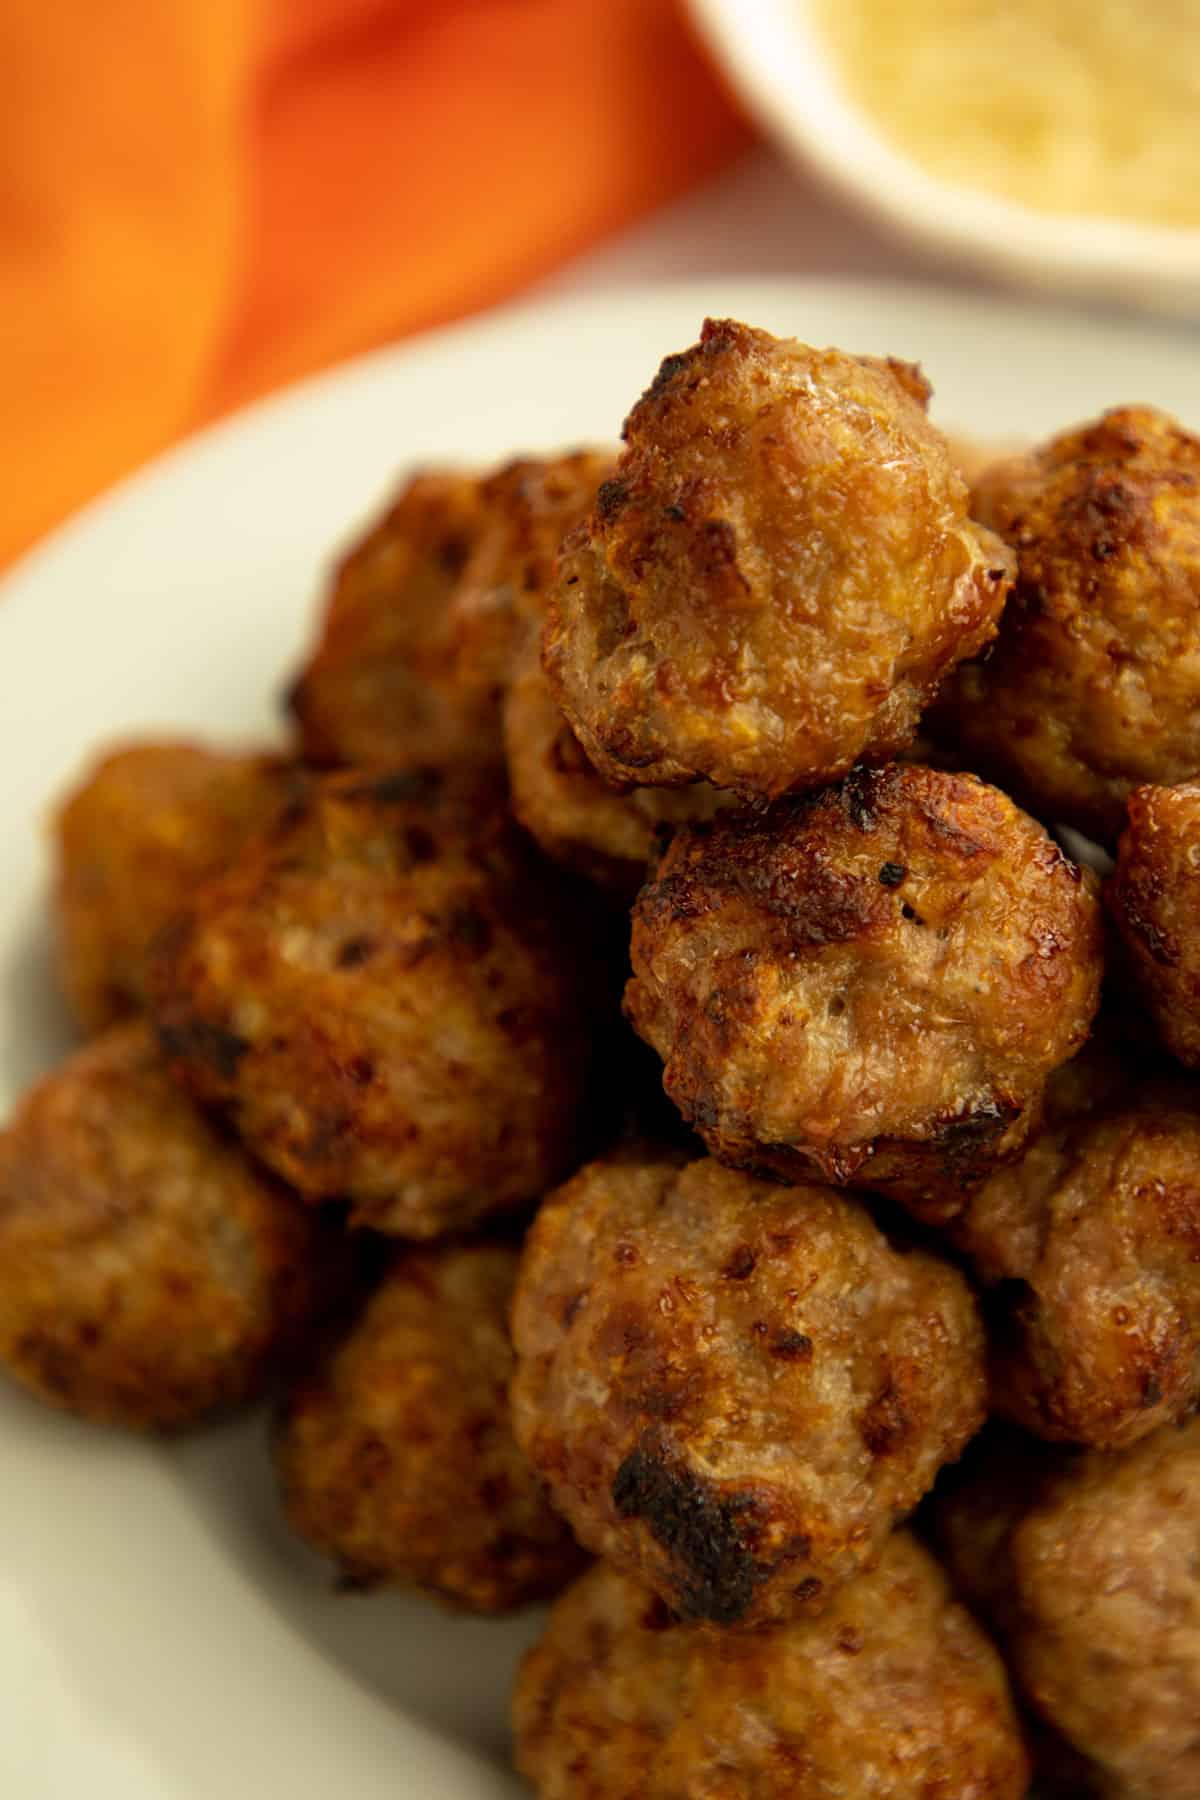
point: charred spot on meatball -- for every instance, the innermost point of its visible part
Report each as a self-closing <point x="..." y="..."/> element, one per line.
<point x="709" y="1534"/>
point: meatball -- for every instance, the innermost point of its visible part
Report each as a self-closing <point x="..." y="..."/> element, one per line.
<point x="1092" y="1244"/>
<point x="778" y="576"/>
<point x="605" y="835"/>
<point x="391" y="1004"/>
<point x="870" y="986"/>
<point x="133" y="840"/>
<point x="734" y="1390"/>
<point x="148" y="1272"/>
<point x="427" y="610"/>
<point x="893" y="1693"/>
<point x="1088" y="1568"/>
<point x="1154" y="897"/>
<point x="396" y="1455"/>
<point x="1092" y="686"/>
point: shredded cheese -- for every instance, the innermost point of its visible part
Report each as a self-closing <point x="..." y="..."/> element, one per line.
<point x="1070" y="106"/>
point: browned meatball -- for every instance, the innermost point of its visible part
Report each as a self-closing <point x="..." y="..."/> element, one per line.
<point x="1088" y="1566"/>
<point x="735" y="1389"/>
<point x="1092" y="1242"/>
<point x="391" y="1003"/>
<point x="1154" y="897"/>
<point x="396" y="1456"/>
<point x="606" y="835"/>
<point x="133" y="840"/>
<point x="1094" y="682"/>
<point x="778" y="576"/>
<point x="426" y="611"/>
<point x="870" y="987"/>
<point x="148" y="1272"/>
<point x="892" y="1694"/>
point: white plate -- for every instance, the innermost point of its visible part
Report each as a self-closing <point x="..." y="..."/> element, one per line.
<point x="160" y="1639"/>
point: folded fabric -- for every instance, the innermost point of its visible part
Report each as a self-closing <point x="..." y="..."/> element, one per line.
<point x="200" y="199"/>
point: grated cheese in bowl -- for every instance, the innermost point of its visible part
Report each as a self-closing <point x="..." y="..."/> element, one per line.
<point x="1088" y="107"/>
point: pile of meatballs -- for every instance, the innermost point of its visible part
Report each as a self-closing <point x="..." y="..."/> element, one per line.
<point x="641" y="1079"/>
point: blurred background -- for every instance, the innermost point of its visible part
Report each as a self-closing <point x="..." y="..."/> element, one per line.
<point x="201" y="200"/>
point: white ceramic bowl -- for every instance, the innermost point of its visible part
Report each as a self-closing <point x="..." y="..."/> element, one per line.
<point x="778" y="61"/>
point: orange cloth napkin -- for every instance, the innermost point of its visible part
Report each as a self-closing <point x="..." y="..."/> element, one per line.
<point x="200" y="199"/>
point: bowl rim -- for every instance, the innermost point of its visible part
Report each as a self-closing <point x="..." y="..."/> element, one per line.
<point x="778" y="61"/>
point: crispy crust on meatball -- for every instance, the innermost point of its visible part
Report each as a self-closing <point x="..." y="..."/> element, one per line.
<point x="870" y="986"/>
<point x="396" y="1455"/>
<point x="892" y="1693"/>
<point x="1090" y="689"/>
<point x="148" y="1272"/>
<point x="604" y="834"/>
<point x="778" y="576"/>
<point x="732" y="1389"/>
<point x="132" y="841"/>
<point x="1092" y="1245"/>
<point x="1154" y="898"/>
<point x="391" y="1003"/>
<point x="1091" y="1576"/>
<point x="426" y="611"/>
